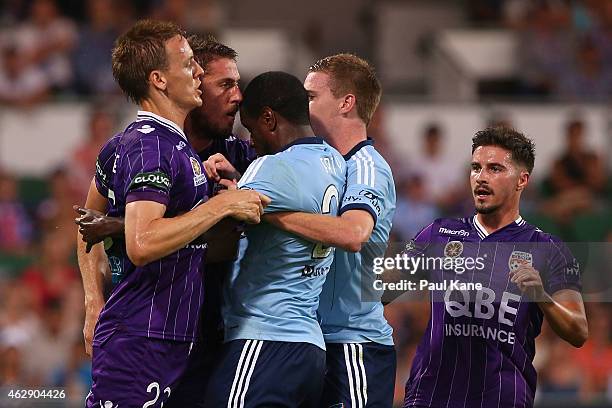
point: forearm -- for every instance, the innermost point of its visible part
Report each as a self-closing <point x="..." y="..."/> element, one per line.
<point x="93" y="267"/>
<point x="163" y="236"/>
<point x="330" y="231"/>
<point x="570" y="325"/>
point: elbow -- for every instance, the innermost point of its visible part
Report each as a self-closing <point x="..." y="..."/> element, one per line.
<point x="352" y="246"/>
<point x="581" y="334"/>
<point x="353" y="240"/>
<point x="137" y="255"/>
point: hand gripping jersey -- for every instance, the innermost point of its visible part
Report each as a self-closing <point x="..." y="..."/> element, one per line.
<point x="154" y="162"/>
<point x="275" y="292"/>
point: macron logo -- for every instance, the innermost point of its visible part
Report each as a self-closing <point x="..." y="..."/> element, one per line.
<point x="461" y="233"/>
<point x="146" y="129"/>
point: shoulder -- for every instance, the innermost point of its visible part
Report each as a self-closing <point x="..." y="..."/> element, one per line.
<point x="143" y="135"/>
<point x="110" y="147"/>
<point x="368" y="159"/>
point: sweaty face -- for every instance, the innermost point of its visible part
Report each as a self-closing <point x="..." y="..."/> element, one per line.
<point x="260" y="136"/>
<point x="494" y="179"/>
<point x="182" y="74"/>
<point x="221" y="99"/>
<point x="323" y="105"/>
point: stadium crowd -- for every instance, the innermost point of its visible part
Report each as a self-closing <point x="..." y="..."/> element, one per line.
<point x="47" y="52"/>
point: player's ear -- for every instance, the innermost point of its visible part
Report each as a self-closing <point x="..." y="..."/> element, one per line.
<point x="158" y="80"/>
<point x="348" y="103"/>
<point x="523" y="180"/>
<point x="269" y="119"/>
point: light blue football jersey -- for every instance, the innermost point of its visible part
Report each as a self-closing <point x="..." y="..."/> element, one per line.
<point x="350" y="310"/>
<point x="274" y="294"/>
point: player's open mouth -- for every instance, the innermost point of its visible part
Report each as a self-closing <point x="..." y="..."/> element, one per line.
<point x="482" y="192"/>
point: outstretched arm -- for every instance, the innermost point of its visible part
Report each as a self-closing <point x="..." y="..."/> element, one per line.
<point x="150" y="236"/>
<point x="348" y="231"/>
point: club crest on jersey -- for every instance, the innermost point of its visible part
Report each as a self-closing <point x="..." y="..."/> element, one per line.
<point x="199" y="178"/>
<point x="518" y="259"/>
<point x="453" y="249"/>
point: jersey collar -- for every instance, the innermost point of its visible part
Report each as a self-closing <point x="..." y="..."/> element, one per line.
<point x="482" y="232"/>
<point x="146" y="115"/>
<point x="303" y="140"/>
<point x="358" y="146"/>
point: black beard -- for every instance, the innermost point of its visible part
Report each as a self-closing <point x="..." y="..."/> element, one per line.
<point x="487" y="210"/>
<point x="200" y="128"/>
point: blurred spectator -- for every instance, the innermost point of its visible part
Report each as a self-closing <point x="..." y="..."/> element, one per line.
<point x="47" y="38"/>
<point x="594" y="359"/>
<point x="578" y="165"/>
<point x="577" y="179"/>
<point x="49" y="349"/>
<point x="56" y="212"/>
<point x="16" y="231"/>
<point x="18" y="325"/>
<point x="13" y="11"/>
<point x="52" y="276"/>
<point x="585" y="77"/>
<point x="413" y="212"/>
<point x="21" y="84"/>
<point x="545" y="41"/>
<point x="441" y="176"/>
<point x="82" y="165"/>
<point x="560" y="377"/>
<point x="201" y="16"/>
<point x="92" y="57"/>
<point x="74" y="374"/>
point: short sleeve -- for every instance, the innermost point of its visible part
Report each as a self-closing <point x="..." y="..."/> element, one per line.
<point x="273" y="177"/>
<point x="105" y="163"/>
<point x="366" y="187"/>
<point x="150" y="172"/>
<point x="563" y="270"/>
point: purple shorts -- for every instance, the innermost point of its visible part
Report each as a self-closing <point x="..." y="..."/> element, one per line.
<point x="134" y="371"/>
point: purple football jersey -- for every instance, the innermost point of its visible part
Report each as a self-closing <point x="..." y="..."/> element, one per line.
<point x="104" y="168"/>
<point x="479" y="344"/>
<point x="236" y="151"/>
<point x="161" y="299"/>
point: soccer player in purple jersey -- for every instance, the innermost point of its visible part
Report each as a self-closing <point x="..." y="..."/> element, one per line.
<point x="479" y="345"/>
<point x="151" y="319"/>
<point x="209" y="130"/>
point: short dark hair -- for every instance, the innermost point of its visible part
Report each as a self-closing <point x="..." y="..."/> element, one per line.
<point x="207" y="49"/>
<point x="521" y="147"/>
<point x="351" y="74"/>
<point x="139" y="51"/>
<point x="281" y="92"/>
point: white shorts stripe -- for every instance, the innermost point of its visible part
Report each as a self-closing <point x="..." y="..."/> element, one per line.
<point x="239" y="370"/>
<point x="347" y="360"/>
<point x="251" y="369"/>
<point x="364" y="380"/>
<point x="357" y="376"/>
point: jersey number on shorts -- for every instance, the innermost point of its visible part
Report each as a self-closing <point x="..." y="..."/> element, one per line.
<point x="150" y="388"/>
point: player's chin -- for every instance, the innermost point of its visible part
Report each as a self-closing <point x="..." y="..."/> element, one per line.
<point x="484" y="208"/>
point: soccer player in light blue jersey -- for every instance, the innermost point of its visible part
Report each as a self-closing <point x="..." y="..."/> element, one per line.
<point x="275" y="352"/>
<point x="344" y="93"/>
